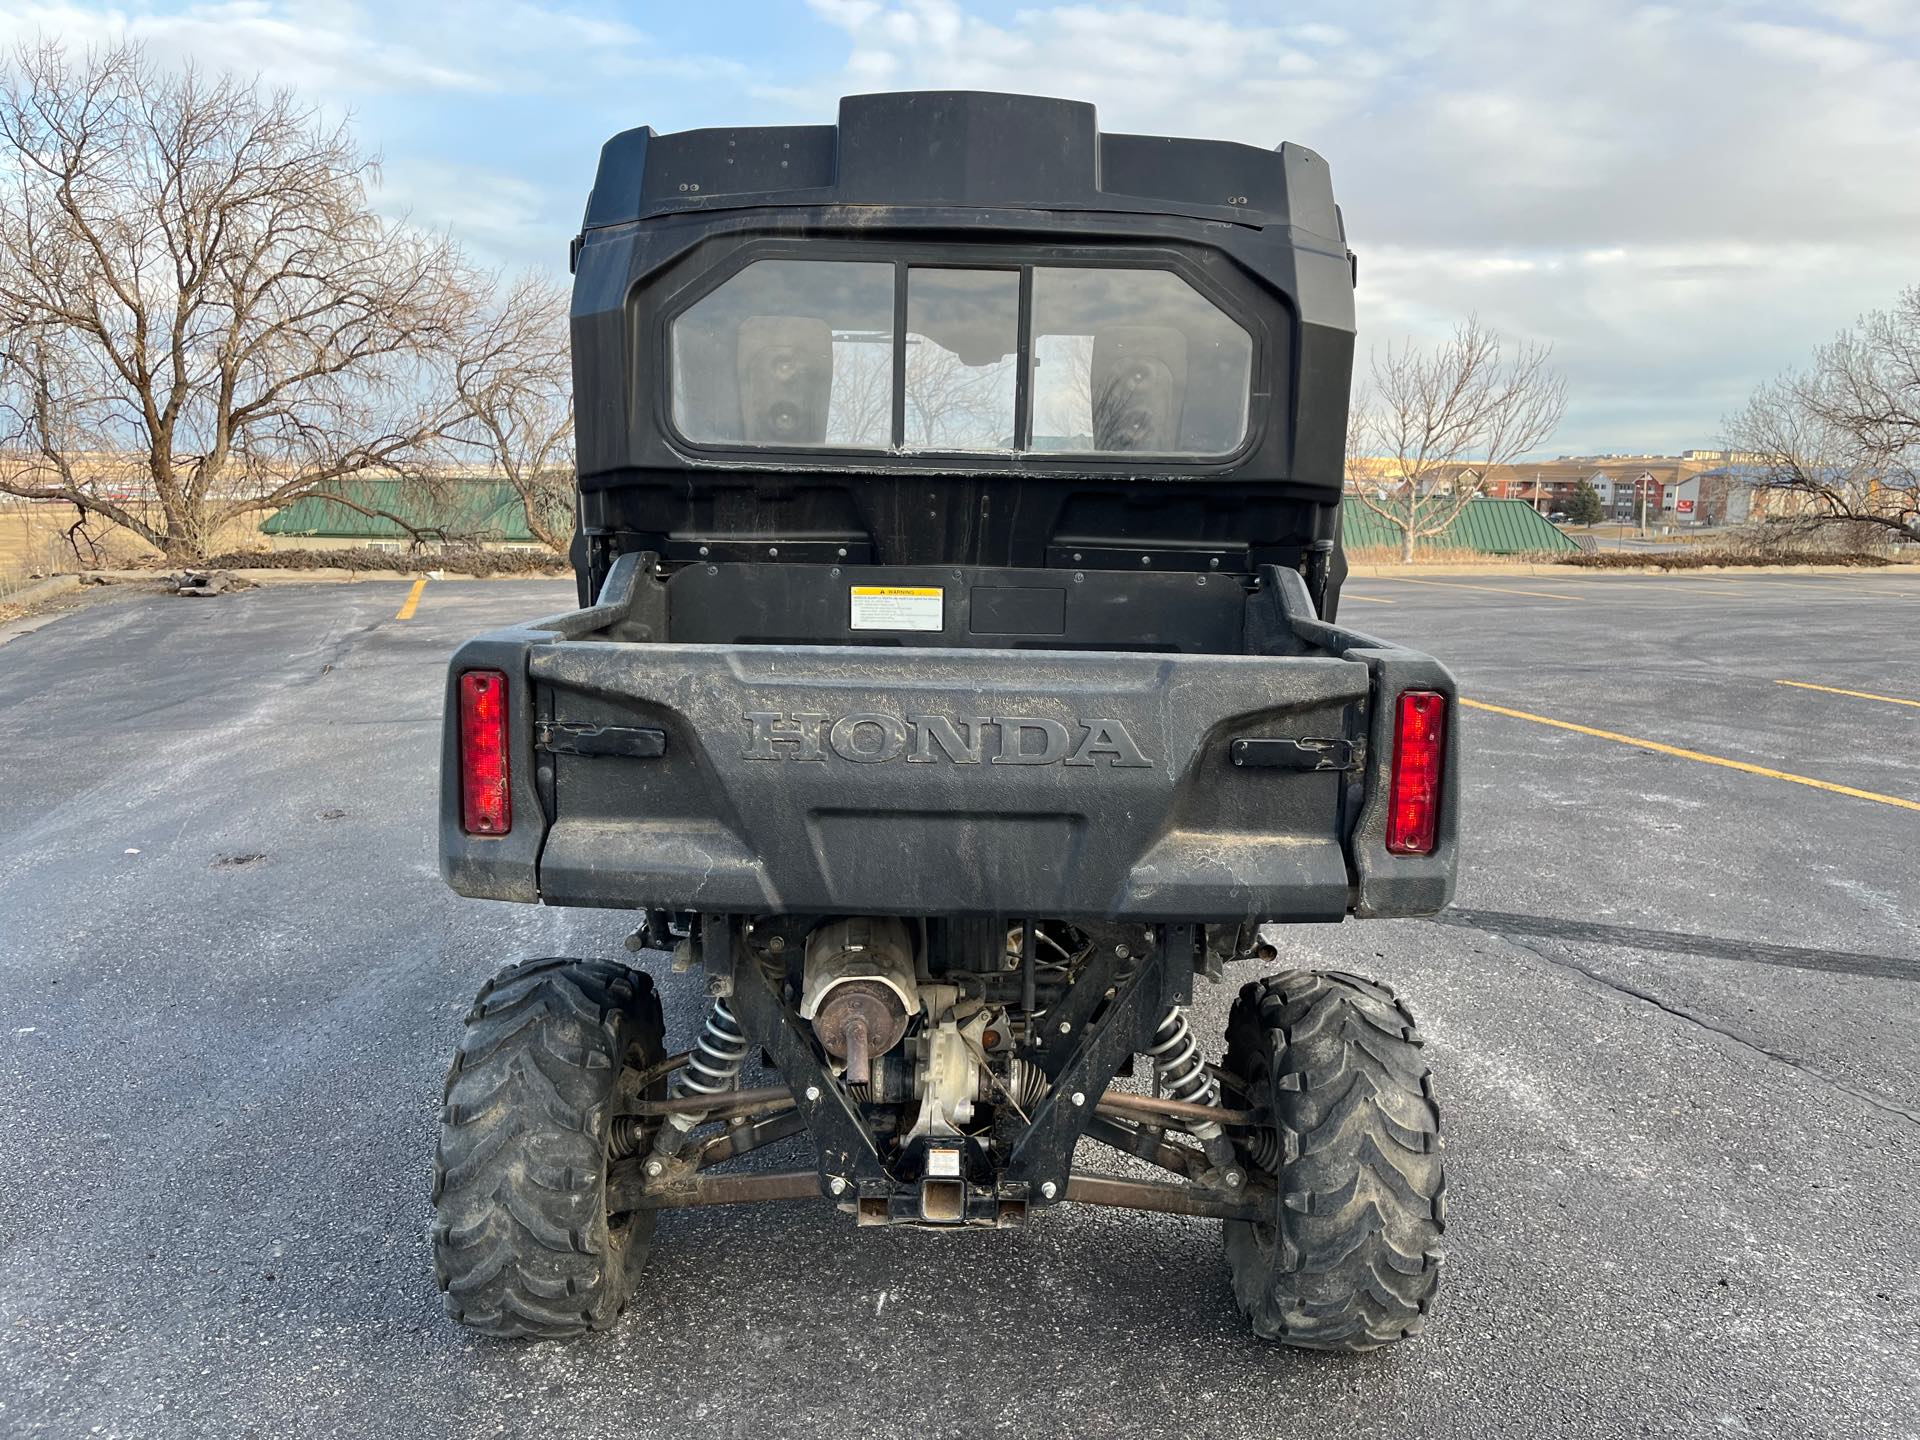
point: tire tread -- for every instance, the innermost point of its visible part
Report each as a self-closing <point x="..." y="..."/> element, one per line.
<point x="1354" y="1260"/>
<point x="522" y="1243"/>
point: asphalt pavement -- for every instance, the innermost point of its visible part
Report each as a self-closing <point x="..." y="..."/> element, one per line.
<point x="1672" y="1015"/>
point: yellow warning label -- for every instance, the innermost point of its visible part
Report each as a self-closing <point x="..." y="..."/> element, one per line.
<point x="898" y="607"/>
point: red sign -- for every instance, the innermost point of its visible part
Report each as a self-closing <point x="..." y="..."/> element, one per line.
<point x="1685" y="507"/>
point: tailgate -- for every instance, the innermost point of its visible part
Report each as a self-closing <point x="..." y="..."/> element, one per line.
<point x="862" y="780"/>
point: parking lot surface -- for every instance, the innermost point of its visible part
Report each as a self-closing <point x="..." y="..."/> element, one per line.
<point x="1672" y="1016"/>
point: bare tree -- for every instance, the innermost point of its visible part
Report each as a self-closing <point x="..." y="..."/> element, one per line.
<point x="953" y="404"/>
<point x="513" y="390"/>
<point x="1063" y="390"/>
<point x="861" y="408"/>
<point x="1840" y="441"/>
<point x="945" y="401"/>
<point x="200" y="315"/>
<point x="1440" y="419"/>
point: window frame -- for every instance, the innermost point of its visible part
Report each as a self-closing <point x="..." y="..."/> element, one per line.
<point x="1246" y="312"/>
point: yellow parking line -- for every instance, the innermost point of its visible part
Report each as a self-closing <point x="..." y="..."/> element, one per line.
<point x="1696" y="755"/>
<point x="1490" y="589"/>
<point x="413" y="599"/>
<point x="1370" y="599"/>
<point x="1856" y="694"/>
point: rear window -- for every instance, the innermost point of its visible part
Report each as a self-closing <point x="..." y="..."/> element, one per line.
<point x="812" y="354"/>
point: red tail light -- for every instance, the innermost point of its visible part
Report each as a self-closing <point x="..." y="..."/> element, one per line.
<point x="1419" y="750"/>
<point x="485" y="808"/>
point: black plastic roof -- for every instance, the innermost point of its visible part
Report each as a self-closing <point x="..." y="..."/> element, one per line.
<point x="959" y="149"/>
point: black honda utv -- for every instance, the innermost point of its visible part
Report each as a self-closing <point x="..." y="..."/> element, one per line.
<point x="956" y="684"/>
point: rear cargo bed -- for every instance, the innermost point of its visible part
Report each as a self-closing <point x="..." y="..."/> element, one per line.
<point x="952" y="778"/>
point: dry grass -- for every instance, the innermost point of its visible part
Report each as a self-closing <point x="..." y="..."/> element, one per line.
<point x="1705" y="558"/>
<point x="34" y="542"/>
<point x="1772" y="543"/>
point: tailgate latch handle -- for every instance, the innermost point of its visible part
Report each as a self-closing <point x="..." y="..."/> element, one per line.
<point x="1306" y="753"/>
<point x="630" y="742"/>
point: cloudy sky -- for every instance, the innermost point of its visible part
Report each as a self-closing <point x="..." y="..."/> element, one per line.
<point x="1683" y="199"/>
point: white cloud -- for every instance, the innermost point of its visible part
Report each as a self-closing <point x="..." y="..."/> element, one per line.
<point x="1683" y="200"/>
<point x="320" y="48"/>
<point x="503" y="218"/>
<point x="445" y="77"/>
<point x="337" y="50"/>
<point x="1149" y="69"/>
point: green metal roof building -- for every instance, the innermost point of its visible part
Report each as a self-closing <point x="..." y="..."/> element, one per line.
<point x="1483" y="527"/>
<point x="479" y="510"/>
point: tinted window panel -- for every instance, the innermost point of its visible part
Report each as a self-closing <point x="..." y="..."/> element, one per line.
<point x="962" y="335"/>
<point x="788" y="354"/>
<point x="1135" y="362"/>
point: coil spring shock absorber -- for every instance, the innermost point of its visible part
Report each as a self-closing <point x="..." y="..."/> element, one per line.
<point x="714" y="1065"/>
<point x="717" y="1055"/>
<point x="1182" y="1074"/>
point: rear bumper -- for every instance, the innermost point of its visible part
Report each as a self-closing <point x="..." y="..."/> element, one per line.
<point x="960" y="782"/>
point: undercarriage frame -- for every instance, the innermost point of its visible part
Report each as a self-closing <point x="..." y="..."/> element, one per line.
<point x="1131" y="978"/>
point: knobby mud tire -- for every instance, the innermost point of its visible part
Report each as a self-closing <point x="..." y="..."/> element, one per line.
<point x="1351" y="1257"/>
<point x="523" y="1244"/>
